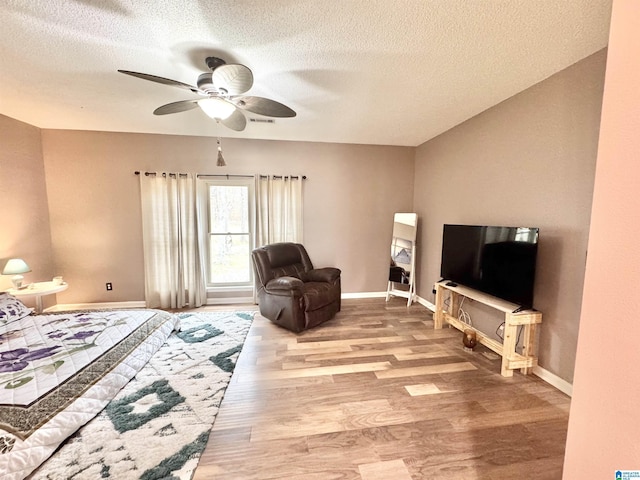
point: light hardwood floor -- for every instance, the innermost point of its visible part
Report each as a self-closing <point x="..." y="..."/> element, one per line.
<point x="377" y="394"/>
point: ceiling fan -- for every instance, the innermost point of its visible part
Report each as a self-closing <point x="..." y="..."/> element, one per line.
<point x="221" y="90"/>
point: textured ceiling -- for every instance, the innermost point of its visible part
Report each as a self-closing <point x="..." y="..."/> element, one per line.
<point x="391" y="72"/>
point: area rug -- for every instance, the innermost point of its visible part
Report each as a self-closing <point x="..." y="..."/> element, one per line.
<point x="158" y="425"/>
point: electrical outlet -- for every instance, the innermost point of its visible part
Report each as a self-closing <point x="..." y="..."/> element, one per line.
<point x="109" y="286"/>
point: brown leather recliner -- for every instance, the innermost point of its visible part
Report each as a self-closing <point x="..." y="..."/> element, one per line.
<point x="291" y="293"/>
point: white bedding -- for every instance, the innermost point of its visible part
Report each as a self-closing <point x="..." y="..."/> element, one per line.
<point x="58" y="371"/>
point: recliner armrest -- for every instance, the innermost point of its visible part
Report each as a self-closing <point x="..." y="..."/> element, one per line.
<point x="285" y="286"/>
<point x="326" y="274"/>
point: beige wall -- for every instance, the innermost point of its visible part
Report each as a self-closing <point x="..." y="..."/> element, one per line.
<point x="350" y="197"/>
<point x="24" y="231"/>
<point x="603" y="425"/>
<point x="528" y="161"/>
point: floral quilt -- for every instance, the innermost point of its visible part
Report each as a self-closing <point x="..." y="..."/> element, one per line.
<point x="57" y="371"/>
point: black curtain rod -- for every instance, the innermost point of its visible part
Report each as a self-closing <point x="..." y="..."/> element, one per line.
<point x="304" y="177"/>
<point x="223" y="175"/>
<point x="164" y="174"/>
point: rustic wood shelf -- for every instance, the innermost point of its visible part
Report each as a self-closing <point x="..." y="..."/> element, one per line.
<point x="527" y="319"/>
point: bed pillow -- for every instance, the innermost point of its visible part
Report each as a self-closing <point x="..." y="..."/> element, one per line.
<point x="11" y="308"/>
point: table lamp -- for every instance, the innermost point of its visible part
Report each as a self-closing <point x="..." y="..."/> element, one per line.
<point x="16" y="266"/>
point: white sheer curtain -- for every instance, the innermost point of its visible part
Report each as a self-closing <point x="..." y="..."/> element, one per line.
<point x="278" y="209"/>
<point x="173" y="251"/>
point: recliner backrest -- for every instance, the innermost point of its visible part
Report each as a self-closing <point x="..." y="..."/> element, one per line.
<point x="279" y="260"/>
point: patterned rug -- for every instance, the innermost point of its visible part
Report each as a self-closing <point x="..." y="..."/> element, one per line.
<point x="158" y="425"/>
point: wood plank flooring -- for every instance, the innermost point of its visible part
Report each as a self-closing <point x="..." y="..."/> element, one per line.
<point x="377" y="394"/>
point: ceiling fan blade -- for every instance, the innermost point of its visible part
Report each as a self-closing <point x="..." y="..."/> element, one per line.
<point x="164" y="81"/>
<point x="236" y="121"/>
<point x="262" y="106"/>
<point x="234" y="78"/>
<point x="175" y="107"/>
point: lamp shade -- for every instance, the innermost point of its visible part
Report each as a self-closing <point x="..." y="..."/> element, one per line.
<point x="15" y="266"/>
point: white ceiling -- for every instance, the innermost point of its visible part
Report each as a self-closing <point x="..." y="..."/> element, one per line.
<point x="390" y="72"/>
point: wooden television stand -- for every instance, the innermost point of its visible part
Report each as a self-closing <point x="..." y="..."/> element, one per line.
<point x="527" y="319"/>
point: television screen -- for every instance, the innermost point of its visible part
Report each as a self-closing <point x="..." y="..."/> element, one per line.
<point x="500" y="261"/>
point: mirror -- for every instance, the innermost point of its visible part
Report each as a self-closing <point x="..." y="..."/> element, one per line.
<point x="401" y="280"/>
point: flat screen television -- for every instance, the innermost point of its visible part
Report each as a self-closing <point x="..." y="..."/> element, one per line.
<point x="500" y="261"/>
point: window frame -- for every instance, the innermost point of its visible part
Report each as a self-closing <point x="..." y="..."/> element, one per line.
<point x="204" y="200"/>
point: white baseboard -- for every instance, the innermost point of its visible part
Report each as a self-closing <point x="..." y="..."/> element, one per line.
<point x="364" y="295"/>
<point x="229" y="300"/>
<point x="210" y="301"/>
<point x="95" y="306"/>
<point x="553" y="380"/>
<point x="426" y="303"/>
<point x="137" y="304"/>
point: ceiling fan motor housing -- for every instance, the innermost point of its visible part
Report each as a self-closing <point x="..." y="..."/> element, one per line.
<point x="205" y="83"/>
<point x="214" y="62"/>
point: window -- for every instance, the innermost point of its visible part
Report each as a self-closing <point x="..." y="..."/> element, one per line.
<point x="229" y="225"/>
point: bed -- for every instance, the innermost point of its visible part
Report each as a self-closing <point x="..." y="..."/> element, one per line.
<point x="58" y="371"/>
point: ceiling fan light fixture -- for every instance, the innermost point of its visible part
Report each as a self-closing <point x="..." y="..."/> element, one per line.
<point x="216" y="108"/>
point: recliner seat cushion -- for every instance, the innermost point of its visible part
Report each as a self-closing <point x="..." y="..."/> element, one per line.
<point x="317" y="295"/>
